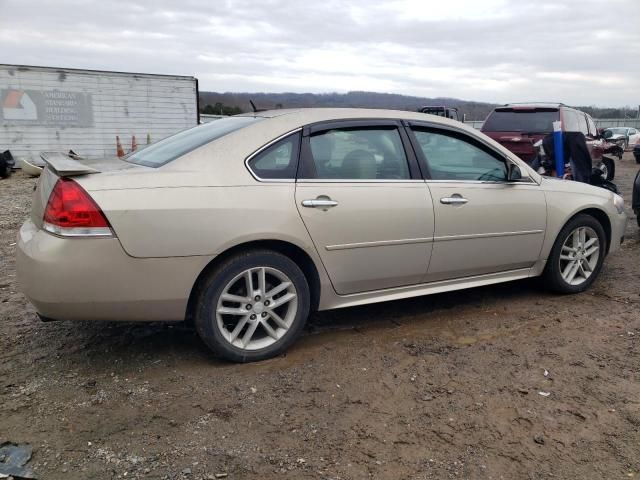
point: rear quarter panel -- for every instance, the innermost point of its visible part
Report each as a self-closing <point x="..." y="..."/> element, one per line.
<point x="186" y="221"/>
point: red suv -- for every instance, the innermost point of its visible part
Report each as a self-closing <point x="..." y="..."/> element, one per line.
<point x="519" y="126"/>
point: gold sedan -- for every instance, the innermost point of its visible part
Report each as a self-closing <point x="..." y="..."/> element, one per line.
<point x="246" y="224"/>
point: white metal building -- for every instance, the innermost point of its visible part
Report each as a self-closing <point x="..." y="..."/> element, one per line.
<point x="58" y="109"/>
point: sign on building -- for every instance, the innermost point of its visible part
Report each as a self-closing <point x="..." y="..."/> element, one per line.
<point x="42" y="107"/>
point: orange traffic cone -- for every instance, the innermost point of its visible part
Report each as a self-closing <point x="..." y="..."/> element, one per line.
<point x="119" y="150"/>
<point x="134" y="145"/>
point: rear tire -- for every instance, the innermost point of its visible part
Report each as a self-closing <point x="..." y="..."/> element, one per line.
<point x="610" y="168"/>
<point x="571" y="251"/>
<point x="253" y="306"/>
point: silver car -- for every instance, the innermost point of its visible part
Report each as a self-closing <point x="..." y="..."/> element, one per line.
<point x="246" y="224"/>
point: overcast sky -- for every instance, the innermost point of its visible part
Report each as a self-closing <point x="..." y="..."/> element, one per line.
<point x="580" y="52"/>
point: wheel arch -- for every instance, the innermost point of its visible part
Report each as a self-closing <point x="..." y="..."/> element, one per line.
<point x="602" y="218"/>
<point x="294" y="252"/>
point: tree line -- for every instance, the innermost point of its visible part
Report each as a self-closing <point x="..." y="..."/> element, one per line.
<point x="233" y="103"/>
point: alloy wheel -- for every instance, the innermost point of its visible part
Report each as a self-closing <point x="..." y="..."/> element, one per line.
<point x="579" y="255"/>
<point x="256" y="308"/>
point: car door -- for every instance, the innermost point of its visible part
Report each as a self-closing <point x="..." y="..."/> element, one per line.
<point x="361" y="197"/>
<point x="483" y="222"/>
<point x="634" y="136"/>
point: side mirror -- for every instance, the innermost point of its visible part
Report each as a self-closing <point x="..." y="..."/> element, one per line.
<point x="514" y="173"/>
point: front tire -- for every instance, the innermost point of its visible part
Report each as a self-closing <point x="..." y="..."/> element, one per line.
<point x="577" y="255"/>
<point x="253" y="306"/>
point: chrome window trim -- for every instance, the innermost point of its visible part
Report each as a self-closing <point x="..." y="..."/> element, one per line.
<point x="372" y="180"/>
<point x="484" y="182"/>
<point x="263" y="148"/>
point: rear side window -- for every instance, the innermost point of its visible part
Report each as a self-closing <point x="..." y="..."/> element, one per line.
<point x="170" y="148"/>
<point x="582" y="123"/>
<point x="571" y="121"/>
<point x="525" y="120"/>
<point x="359" y="154"/>
<point x="593" y="131"/>
<point x="278" y="161"/>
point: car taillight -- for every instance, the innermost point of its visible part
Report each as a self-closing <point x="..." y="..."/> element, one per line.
<point x="71" y="212"/>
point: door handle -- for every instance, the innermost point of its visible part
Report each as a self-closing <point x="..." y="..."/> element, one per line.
<point x="455" y="200"/>
<point x="319" y="203"/>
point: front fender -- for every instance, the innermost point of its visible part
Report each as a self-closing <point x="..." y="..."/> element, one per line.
<point x="562" y="206"/>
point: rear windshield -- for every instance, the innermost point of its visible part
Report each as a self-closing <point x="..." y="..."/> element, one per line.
<point x="525" y="121"/>
<point x="175" y="146"/>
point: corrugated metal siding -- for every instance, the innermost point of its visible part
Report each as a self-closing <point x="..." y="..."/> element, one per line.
<point x="122" y="104"/>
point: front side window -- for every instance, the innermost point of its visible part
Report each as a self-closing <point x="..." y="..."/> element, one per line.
<point x="170" y="148"/>
<point x="451" y="156"/>
<point x="278" y="161"/>
<point x="359" y="154"/>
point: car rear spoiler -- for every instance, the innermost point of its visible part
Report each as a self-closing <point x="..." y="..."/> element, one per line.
<point x="65" y="166"/>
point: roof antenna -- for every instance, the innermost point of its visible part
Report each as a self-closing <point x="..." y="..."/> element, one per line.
<point x="253" y="105"/>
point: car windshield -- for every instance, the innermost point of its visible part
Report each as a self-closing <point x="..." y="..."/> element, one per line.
<point x="170" y="148"/>
<point x="525" y="121"/>
<point x="618" y="131"/>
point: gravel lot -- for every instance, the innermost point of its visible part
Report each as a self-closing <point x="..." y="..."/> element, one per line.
<point x="446" y="386"/>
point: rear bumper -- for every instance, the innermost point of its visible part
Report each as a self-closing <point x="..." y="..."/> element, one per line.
<point x="94" y="279"/>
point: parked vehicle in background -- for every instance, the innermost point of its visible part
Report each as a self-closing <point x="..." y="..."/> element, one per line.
<point x="612" y="149"/>
<point x="248" y="223"/>
<point x="623" y="136"/>
<point x="441" y="111"/>
<point x="519" y="127"/>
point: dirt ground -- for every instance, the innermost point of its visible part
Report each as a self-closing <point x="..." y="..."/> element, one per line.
<point x="444" y="386"/>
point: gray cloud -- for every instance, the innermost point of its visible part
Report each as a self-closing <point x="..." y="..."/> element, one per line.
<point x="576" y="51"/>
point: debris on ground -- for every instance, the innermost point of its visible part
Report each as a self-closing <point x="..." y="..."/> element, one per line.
<point x="98" y="399"/>
<point x="13" y="460"/>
